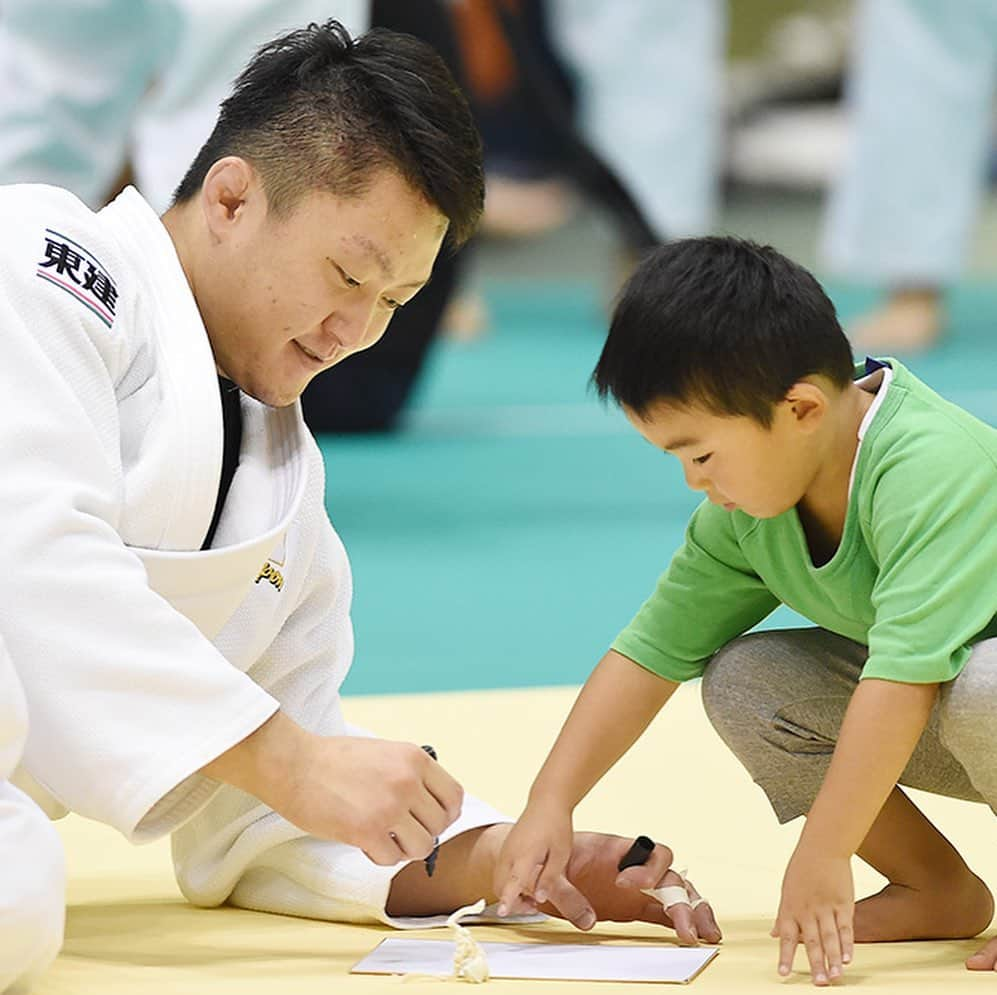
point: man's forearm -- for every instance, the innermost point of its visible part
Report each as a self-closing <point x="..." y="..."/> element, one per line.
<point x="263" y="763"/>
<point x="881" y="729"/>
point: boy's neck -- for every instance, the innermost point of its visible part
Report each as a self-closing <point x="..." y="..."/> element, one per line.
<point x="824" y="507"/>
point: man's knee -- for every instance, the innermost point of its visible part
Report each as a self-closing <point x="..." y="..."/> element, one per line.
<point x="33" y="896"/>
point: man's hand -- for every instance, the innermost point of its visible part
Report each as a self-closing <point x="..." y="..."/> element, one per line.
<point x="616" y="896"/>
<point x="389" y="799"/>
<point x="817" y="908"/>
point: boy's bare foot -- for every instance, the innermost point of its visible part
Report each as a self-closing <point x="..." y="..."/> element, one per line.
<point x="910" y="321"/>
<point x="950" y="908"/>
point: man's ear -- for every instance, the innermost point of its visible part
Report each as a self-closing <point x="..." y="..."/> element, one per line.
<point x="806" y="404"/>
<point x="231" y="197"/>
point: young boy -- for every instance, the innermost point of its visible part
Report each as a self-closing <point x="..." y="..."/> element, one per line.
<point x="867" y="505"/>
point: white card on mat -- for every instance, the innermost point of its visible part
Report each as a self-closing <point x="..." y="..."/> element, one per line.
<point x="550" y="961"/>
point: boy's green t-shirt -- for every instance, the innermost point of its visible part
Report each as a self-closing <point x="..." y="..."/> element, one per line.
<point x="914" y="578"/>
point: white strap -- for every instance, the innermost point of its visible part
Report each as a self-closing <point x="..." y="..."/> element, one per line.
<point x="674" y="894"/>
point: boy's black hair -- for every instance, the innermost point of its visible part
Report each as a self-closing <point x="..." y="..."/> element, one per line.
<point x="317" y="110"/>
<point x="722" y="322"/>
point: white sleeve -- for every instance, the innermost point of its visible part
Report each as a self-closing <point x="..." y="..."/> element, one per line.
<point x="238" y="850"/>
<point x="126" y="698"/>
<point x="32" y="868"/>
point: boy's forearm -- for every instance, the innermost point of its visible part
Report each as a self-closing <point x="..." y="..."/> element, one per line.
<point x="883" y="723"/>
<point x="615" y="706"/>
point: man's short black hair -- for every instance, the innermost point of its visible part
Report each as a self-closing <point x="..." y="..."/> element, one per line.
<point x="721" y="322"/>
<point x="317" y="110"/>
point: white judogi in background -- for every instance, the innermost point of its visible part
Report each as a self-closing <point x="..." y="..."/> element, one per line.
<point x="86" y="85"/>
<point x="650" y="78"/>
<point x="142" y="657"/>
<point x="32" y="871"/>
<point x="921" y="97"/>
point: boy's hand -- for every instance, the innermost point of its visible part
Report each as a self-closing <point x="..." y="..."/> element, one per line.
<point x="532" y="867"/>
<point x="817" y="907"/>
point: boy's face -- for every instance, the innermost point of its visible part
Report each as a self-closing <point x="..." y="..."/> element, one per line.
<point x="734" y="460"/>
<point x="285" y="298"/>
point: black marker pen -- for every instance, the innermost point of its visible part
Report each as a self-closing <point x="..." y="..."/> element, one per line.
<point x="431" y="859"/>
<point x="638" y="854"/>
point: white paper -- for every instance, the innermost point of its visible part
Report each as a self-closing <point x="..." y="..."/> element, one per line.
<point x="549" y="961"/>
<point x="489" y="917"/>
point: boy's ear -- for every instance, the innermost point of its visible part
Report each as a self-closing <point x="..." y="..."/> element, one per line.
<point x="806" y="403"/>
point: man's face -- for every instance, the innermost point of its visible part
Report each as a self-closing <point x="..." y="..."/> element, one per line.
<point x="734" y="460"/>
<point x="288" y="297"/>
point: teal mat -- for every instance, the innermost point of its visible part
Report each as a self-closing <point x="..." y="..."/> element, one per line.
<point x="514" y="527"/>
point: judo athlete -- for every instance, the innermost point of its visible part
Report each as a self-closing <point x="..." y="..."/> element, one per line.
<point x="179" y="615"/>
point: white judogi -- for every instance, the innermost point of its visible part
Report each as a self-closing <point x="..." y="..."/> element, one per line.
<point x="32" y="873"/>
<point x="143" y="658"/>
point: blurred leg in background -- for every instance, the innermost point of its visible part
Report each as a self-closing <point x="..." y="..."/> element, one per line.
<point x="901" y="212"/>
<point x="524" y="159"/>
<point x="650" y="99"/>
<point x="92" y="90"/>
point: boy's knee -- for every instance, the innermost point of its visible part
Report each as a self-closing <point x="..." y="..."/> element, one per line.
<point x="737" y="675"/>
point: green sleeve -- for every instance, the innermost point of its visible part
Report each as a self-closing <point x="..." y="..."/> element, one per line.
<point x="708" y="596"/>
<point x="932" y="530"/>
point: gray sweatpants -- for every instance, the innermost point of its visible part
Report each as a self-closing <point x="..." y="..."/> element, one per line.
<point x="778" y="698"/>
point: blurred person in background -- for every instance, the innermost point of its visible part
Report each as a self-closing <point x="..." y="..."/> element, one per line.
<point x="643" y="80"/>
<point x="901" y="211"/>
<point x="619" y="106"/>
